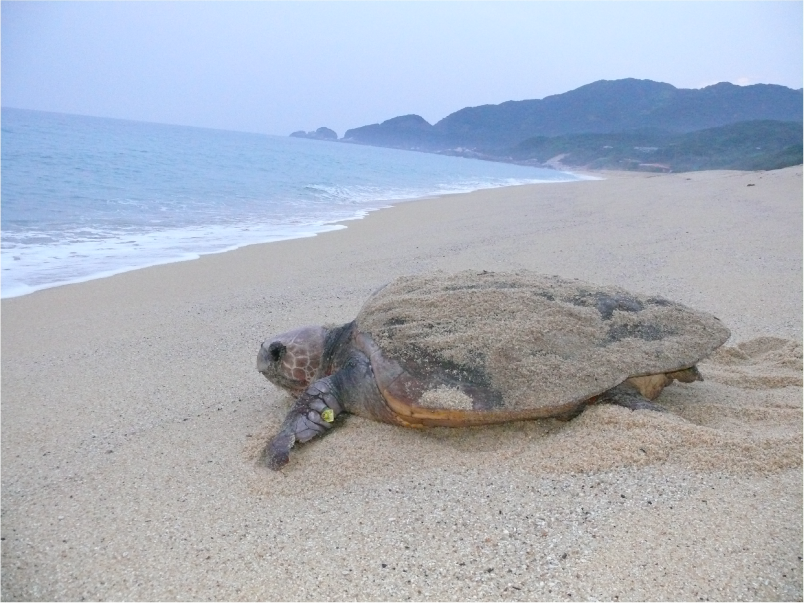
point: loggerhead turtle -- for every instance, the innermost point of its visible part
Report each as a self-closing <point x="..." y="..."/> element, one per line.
<point x="479" y="348"/>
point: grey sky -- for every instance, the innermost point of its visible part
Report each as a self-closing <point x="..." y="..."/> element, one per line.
<point x="276" y="67"/>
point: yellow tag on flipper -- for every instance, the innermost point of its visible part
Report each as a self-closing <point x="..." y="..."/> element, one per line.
<point x="328" y="415"/>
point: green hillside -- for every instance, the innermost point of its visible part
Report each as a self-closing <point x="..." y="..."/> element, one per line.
<point x="748" y="145"/>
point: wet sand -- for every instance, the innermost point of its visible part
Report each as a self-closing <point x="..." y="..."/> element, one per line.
<point x="133" y="419"/>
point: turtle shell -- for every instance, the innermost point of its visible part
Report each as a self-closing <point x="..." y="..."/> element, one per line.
<point x="521" y="344"/>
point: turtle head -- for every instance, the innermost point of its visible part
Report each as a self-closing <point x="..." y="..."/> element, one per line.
<point x="294" y="359"/>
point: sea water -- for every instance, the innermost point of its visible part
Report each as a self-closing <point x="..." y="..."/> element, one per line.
<point x="86" y="197"/>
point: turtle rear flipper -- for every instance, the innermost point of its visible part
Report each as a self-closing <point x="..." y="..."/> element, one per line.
<point x="628" y="396"/>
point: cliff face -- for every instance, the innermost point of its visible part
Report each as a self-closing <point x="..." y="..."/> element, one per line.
<point x="599" y="107"/>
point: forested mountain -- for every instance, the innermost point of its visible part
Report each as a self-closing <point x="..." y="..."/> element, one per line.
<point x="601" y="107"/>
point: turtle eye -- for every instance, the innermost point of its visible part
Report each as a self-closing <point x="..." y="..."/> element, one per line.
<point x="276" y="350"/>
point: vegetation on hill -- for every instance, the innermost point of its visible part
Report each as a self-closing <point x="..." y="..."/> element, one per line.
<point x="407" y="132"/>
<point x="749" y="145"/>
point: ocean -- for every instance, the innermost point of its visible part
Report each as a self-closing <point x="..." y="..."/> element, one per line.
<point x="87" y="197"/>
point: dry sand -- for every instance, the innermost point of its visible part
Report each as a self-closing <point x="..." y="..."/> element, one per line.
<point x="132" y="418"/>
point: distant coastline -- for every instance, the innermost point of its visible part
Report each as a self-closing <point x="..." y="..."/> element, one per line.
<point x="624" y="124"/>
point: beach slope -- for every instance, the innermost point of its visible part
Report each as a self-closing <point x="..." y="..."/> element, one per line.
<point x="133" y="418"/>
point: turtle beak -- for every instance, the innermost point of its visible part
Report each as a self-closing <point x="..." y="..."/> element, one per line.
<point x="262" y="359"/>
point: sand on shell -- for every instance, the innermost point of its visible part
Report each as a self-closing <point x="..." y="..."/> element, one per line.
<point x="533" y="341"/>
<point x="133" y="418"/>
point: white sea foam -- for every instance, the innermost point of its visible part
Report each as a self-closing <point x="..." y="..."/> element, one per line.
<point x="29" y="268"/>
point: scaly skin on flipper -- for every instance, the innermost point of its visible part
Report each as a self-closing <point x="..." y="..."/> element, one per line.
<point x="311" y="415"/>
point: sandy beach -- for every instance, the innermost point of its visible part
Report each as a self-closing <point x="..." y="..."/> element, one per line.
<point x="133" y="418"/>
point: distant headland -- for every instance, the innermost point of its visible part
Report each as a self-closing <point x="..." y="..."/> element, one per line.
<point x="625" y="124"/>
<point x="319" y="134"/>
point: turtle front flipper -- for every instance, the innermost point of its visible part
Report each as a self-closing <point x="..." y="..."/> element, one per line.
<point x="351" y="389"/>
<point x="311" y="415"/>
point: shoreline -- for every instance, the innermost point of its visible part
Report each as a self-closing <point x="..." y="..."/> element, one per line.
<point x="306" y="232"/>
<point x="133" y="418"/>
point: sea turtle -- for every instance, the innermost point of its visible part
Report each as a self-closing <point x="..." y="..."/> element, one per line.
<point x="476" y="348"/>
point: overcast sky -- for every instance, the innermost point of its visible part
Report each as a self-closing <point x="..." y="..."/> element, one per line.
<point x="276" y="67"/>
